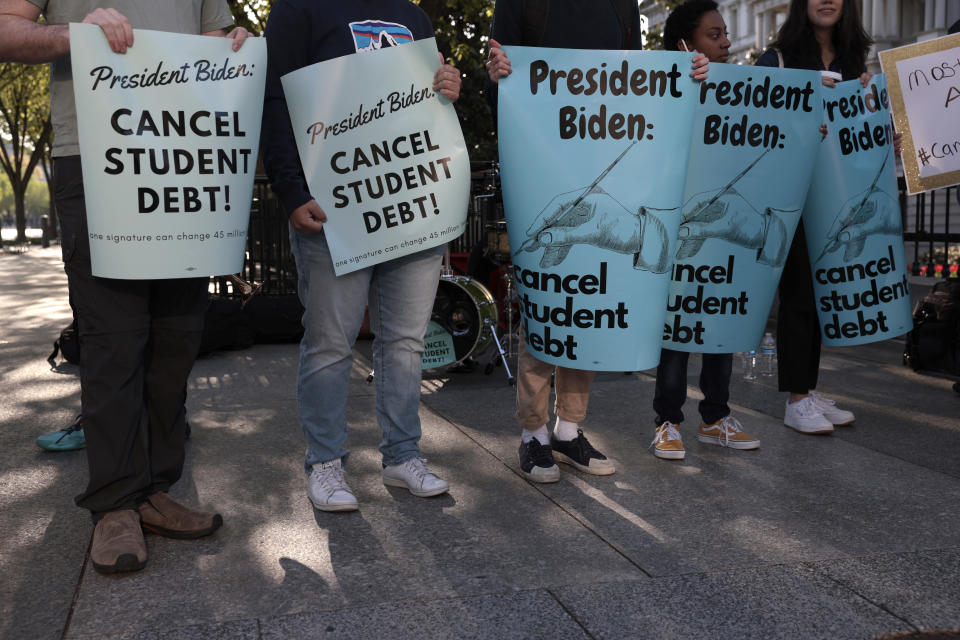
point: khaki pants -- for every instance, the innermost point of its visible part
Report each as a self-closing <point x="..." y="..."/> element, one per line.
<point x="572" y="387"/>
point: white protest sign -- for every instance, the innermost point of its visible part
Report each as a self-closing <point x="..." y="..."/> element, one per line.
<point x="383" y="154"/>
<point x="924" y="81"/>
<point x="168" y="144"/>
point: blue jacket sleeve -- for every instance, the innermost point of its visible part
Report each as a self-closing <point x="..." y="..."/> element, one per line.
<point x="768" y="59"/>
<point x="288" y="37"/>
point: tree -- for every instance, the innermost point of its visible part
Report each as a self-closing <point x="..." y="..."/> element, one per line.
<point x="462" y="29"/>
<point x="24" y="129"/>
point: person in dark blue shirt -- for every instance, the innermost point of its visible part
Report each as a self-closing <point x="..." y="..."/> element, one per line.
<point x="400" y="292"/>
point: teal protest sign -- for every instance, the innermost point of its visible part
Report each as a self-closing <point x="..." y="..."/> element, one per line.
<point x="168" y="136"/>
<point x="852" y="220"/>
<point x="382" y="153"/>
<point x="756" y="134"/>
<point x="593" y="153"/>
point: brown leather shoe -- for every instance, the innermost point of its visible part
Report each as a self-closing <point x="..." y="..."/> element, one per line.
<point x="164" y="516"/>
<point x="118" y="543"/>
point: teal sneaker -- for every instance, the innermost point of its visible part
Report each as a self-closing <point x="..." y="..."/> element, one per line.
<point x="69" y="439"/>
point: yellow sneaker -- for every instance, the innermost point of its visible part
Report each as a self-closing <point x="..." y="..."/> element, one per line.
<point x="727" y="432"/>
<point x="667" y="443"/>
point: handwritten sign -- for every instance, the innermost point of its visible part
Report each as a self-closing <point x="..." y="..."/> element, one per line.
<point x="924" y="80"/>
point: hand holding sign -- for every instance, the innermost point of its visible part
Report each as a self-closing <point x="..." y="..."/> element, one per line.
<point x="115" y="27"/>
<point x="308" y="218"/>
<point x="446" y="81"/>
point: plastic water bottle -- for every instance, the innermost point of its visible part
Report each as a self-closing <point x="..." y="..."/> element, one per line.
<point x="749" y="361"/>
<point x="768" y="355"/>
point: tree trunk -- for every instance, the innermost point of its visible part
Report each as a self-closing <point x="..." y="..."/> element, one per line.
<point x="19" y="197"/>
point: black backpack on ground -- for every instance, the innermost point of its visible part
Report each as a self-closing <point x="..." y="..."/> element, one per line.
<point x="934" y="342"/>
<point x="67" y="344"/>
<point x="225" y="327"/>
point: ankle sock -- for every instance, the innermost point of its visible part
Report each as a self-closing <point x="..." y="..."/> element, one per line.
<point x="565" y="430"/>
<point x="540" y="434"/>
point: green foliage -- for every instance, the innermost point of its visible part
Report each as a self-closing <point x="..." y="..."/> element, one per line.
<point x="462" y="29"/>
<point x="654" y="40"/>
<point x="6" y="201"/>
<point x="251" y="14"/>
<point x="24" y="129"/>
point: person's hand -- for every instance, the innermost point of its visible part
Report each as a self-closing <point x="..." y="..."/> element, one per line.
<point x="828" y="82"/>
<point x="446" y="82"/>
<point x="115" y="26"/>
<point x="238" y="35"/>
<point x="823" y="131"/>
<point x="897" y="142"/>
<point x="733" y="219"/>
<point x="865" y="78"/>
<point x="498" y="64"/>
<point x="308" y="218"/>
<point x="701" y="65"/>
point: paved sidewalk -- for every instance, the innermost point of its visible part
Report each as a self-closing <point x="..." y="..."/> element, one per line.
<point x="855" y="535"/>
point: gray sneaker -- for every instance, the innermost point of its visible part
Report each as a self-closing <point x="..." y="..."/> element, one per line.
<point x="415" y="476"/>
<point x="328" y="489"/>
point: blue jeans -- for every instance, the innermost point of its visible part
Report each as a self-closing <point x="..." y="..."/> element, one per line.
<point x="400" y="295"/>
<point x="671" y="390"/>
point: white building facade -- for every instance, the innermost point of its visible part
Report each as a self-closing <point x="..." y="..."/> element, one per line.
<point x="890" y="23"/>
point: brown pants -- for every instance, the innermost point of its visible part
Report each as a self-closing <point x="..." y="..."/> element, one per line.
<point x="533" y="391"/>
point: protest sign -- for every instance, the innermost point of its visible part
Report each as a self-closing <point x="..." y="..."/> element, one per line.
<point x="924" y="81"/>
<point x="593" y="152"/>
<point x="756" y="134"/>
<point x="438" y="348"/>
<point x="852" y="220"/>
<point x="168" y="137"/>
<point x="383" y="154"/>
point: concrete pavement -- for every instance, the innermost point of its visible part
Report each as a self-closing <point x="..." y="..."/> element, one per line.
<point x="856" y="535"/>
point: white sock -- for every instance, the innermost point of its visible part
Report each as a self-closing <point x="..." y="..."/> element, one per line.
<point x="565" y="430"/>
<point x="540" y="434"/>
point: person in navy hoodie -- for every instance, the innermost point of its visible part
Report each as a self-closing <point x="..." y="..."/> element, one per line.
<point x="400" y="292"/>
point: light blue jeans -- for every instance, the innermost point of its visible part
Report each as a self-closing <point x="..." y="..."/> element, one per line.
<point x="400" y="293"/>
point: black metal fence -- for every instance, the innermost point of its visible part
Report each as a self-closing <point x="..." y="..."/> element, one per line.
<point x="931" y="240"/>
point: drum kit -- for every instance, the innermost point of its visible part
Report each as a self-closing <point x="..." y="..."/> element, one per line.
<point x="481" y="310"/>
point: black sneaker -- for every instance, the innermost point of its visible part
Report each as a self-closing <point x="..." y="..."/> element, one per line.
<point x="536" y="462"/>
<point x="581" y="455"/>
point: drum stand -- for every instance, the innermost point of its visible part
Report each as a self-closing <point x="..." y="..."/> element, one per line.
<point x="492" y="328"/>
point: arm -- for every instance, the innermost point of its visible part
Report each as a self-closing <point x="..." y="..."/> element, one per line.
<point x="238" y="35"/>
<point x="22" y="39"/>
<point x="288" y="39"/>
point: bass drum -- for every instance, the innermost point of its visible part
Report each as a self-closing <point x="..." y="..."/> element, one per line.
<point x="467" y="311"/>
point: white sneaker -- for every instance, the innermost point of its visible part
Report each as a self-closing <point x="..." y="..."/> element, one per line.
<point x="415" y="476"/>
<point x="805" y="416"/>
<point x="327" y="488"/>
<point x="838" y="417"/>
